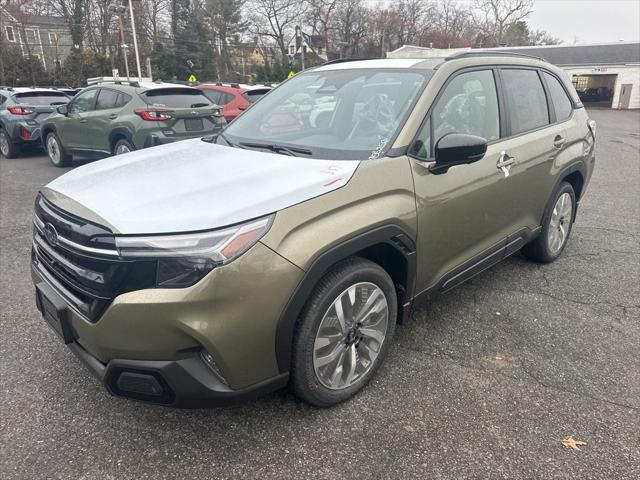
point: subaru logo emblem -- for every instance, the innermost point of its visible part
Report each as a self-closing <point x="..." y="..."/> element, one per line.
<point x="194" y="113"/>
<point x="50" y="234"/>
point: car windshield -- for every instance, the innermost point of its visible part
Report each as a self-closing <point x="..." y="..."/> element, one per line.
<point x="333" y="114"/>
<point x="42" y="98"/>
<point x="176" y="98"/>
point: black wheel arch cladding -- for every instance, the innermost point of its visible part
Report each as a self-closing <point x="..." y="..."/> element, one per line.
<point x="385" y="237"/>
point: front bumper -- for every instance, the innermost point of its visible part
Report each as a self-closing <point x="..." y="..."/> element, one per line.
<point x="186" y="383"/>
<point x="231" y="315"/>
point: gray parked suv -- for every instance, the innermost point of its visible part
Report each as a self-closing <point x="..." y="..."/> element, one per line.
<point x="21" y="112"/>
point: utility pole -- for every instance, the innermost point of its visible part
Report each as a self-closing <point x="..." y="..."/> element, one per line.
<point x="135" y="40"/>
<point x="300" y="36"/>
<point x="119" y="10"/>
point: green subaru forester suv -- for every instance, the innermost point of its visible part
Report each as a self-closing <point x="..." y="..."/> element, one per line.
<point x="117" y="117"/>
<point x="286" y="249"/>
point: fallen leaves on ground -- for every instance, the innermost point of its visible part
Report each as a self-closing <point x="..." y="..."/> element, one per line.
<point x="571" y="443"/>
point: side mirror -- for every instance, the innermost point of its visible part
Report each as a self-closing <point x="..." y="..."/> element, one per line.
<point x="457" y="149"/>
<point x="63" y="110"/>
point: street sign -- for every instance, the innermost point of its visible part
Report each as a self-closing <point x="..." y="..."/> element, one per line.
<point x="192" y="78"/>
<point x="115" y="74"/>
<point x="291" y="74"/>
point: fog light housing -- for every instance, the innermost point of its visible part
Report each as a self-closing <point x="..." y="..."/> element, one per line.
<point x="211" y="363"/>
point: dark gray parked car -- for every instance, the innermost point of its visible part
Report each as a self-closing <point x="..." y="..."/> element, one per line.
<point x="21" y="112"/>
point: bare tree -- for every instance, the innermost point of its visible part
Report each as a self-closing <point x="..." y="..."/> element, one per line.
<point x="276" y="19"/>
<point x="451" y="22"/>
<point x="320" y="16"/>
<point x="155" y="19"/>
<point x="495" y="16"/>
<point x="412" y="14"/>
<point x="351" y="26"/>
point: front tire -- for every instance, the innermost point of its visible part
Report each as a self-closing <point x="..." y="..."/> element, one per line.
<point x="556" y="228"/>
<point x="57" y="155"/>
<point x="344" y="332"/>
<point x="7" y="148"/>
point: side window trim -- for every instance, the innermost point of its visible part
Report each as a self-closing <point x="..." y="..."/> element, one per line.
<point x="427" y="116"/>
<point x="550" y="106"/>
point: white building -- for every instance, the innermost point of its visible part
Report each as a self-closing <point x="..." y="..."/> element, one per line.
<point x="608" y="72"/>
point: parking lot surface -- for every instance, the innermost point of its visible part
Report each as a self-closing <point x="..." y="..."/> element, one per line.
<point x="483" y="382"/>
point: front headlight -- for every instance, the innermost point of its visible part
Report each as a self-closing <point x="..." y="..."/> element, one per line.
<point x="183" y="259"/>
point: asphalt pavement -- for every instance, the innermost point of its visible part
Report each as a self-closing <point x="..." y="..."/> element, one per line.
<point x="482" y="382"/>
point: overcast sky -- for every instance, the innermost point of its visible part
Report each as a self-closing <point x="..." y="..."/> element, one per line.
<point x="591" y="21"/>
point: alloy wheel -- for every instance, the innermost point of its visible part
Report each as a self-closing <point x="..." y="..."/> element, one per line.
<point x="53" y="149"/>
<point x="350" y="335"/>
<point x="4" y="144"/>
<point x="560" y="223"/>
<point x="122" y="149"/>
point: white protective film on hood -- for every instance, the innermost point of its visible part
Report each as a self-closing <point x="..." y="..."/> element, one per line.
<point x="194" y="185"/>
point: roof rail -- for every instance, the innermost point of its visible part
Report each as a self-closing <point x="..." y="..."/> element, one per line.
<point x="490" y="53"/>
<point x="100" y="80"/>
<point x="345" y="60"/>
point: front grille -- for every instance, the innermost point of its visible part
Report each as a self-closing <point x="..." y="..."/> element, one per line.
<point x="79" y="259"/>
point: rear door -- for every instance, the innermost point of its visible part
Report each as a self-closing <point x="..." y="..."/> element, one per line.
<point x="72" y="129"/>
<point x="535" y="140"/>
<point x="191" y="112"/>
<point x="104" y="118"/>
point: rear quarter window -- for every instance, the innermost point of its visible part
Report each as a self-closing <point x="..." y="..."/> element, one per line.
<point x="175" y="98"/>
<point x="561" y="102"/>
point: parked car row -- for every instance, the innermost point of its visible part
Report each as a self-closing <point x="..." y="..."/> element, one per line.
<point x="115" y="117"/>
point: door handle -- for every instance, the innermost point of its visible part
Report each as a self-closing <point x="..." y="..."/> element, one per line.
<point x="558" y="142"/>
<point x="505" y="162"/>
<point x="113" y="116"/>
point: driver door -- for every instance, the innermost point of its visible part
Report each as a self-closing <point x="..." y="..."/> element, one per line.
<point x="72" y="130"/>
<point x="464" y="214"/>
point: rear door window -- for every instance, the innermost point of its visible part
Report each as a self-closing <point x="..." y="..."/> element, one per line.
<point x="561" y="102"/>
<point x="41" y="98"/>
<point x="526" y="100"/>
<point x="176" y="98"/>
<point x="107" y="99"/>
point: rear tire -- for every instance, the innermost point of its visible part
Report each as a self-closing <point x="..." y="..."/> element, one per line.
<point x="122" y="146"/>
<point x="343" y="333"/>
<point x="556" y="226"/>
<point x="56" y="152"/>
<point x="7" y="148"/>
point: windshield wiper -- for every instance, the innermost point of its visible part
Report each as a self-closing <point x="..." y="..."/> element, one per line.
<point x="278" y="148"/>
<point x="214" y="138"/>
<point x="198" y="105"/>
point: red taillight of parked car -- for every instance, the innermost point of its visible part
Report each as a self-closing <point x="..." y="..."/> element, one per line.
<point x="153" y="114"/>
<point x="20" y="110"/>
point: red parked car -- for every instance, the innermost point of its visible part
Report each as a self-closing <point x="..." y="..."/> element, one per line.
<point x="233" y="98"/>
